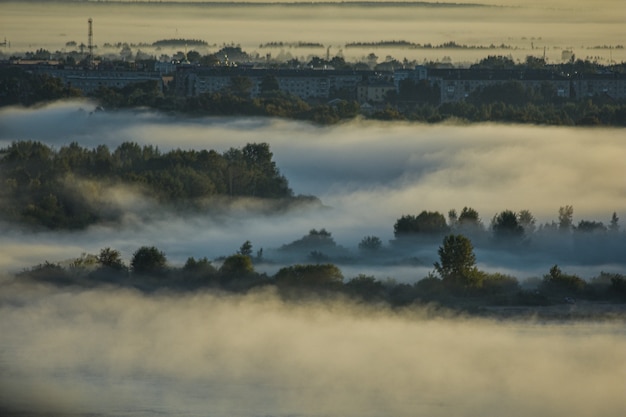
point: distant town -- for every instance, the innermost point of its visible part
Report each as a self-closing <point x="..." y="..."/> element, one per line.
<point x="391" y="89"/>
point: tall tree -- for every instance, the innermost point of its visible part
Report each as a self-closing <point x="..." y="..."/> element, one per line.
<point x="457" y="262"/>
<point x="566" y="215"/>
<point x="527" y="221"/>
<point x="614" y="224"/>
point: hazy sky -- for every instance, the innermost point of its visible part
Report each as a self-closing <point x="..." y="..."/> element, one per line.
<point x="554" y="25"/>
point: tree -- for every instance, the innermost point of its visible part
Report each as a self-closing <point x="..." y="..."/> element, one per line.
<point x="560" y="283"/>
<point x="565" y="218"/>
<point x="193" y="56"/>
<point x="269" y="84"/>
<point x="370" y="244"/>
<point x="469" y="216"/>
<point x="614" y="225"/>
<point x="148" y="260"/>
<point x="245" y="249"/>
<point x="589" y="226"/>
<point x="236" y="266"/>
<point x="427" y="222"/>
<point x="506" y="227"/>
<point x="457" y="262"/>
<point x="527" y="221"/>
<point x="495" y="62"/>
<point x="199" y="269"/>
<point x="111" y="258"/>
<point x="315" y="240"/>
<point x="241" y="86"/>
<point x="453" y="217"/>
<point x="366" y="287"/>
<point x="469" y="221"/>
<point x="320" y="275"/>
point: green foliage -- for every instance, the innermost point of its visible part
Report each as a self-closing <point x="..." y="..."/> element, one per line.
<point x="200" y="269"/>
<point x="141" y="94"/>
<point x="269" y="84"/>
<point x="497" y="283"/>
<point x="457" y="263"/>
<point x="18" y="86"/>
<point x="148" y="260"/>
<point x="468" y="222"/>
<point x="556" y="282"/>
<point x="315" y="276"/>
<point x="565" y="218"/>
<point x="618" y="286"/>
<point x="370" y="244"/>
<point x="41" y="182"/>
<point x="47" y="272"/>
<point x="506" y="227"/>
<point x="365" y="287"/>
<point x="245" y="249"/>
<point x="111" y="259"/>
<point x="179" y="42"/>
<point x="426" y="223"/>
<point x="236" y="266"/>
<point x="588" y="226"/>
<point x="430" y="287"/>
<point x="527" y="221"/>
<point x="495" y="62"/>
<point x="315" y="240"/>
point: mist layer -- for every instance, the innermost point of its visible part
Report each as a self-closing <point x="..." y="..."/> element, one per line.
<point x="73" y="352"/>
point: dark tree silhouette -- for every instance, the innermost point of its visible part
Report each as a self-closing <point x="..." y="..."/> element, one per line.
<point x="148" y="260"/>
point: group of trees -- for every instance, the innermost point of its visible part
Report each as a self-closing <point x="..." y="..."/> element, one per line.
<point x="25" y="88"/>
<point x="41" y="184"/>
<point x="505" y="226"/>
<point x="455" y="281"/>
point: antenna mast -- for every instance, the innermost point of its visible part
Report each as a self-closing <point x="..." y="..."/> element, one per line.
<point x="90" y="42"/>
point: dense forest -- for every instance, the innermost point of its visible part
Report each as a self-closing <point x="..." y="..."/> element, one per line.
<point x="55" y="189"/>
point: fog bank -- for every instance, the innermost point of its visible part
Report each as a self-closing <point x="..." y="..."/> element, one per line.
<point x="117" y="352"/>
<point x="367" y="174"/>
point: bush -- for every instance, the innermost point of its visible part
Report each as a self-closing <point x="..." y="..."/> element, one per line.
<point x="559" y="283"/>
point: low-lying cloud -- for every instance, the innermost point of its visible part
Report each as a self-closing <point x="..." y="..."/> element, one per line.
<point x="367" y="174"/>
<point x="119" y="352"/>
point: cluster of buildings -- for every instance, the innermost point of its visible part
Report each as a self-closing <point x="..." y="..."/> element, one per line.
<point x="372" y="87"/>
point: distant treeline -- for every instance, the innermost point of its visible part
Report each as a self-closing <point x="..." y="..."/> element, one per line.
<point x="180" y="42"/>
<point x="299" y="44"/>
<point x="60" y="189"/>
<point x="412" y="45"/>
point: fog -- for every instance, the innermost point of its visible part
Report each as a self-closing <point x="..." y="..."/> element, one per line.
<point x="529" y="27"/>
<point x="117" y="352"/>
<point x="366" y="174"/>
